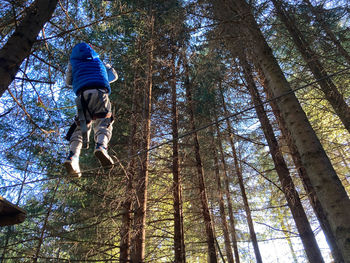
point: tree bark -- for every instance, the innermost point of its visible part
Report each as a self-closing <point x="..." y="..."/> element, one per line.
<point x="125" y="232"/>
<point x="19" y="45"/>
<point x="305" y="231"/>
<point x="315" y="203"/>
<point x="200" y="175"/>
<point x="323" y="177"/>
<point x="329" y="89"/>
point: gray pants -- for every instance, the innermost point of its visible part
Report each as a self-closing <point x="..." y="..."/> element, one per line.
<point x="98" y="104"/>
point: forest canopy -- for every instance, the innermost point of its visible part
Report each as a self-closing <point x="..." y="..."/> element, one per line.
<point x="230" y="136"/>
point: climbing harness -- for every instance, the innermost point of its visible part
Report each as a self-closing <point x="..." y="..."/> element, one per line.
<point x="87" y="107"/>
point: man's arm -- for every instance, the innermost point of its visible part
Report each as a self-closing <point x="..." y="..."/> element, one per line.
<point x="112" y="74"/>
<point x="69" y="76"/>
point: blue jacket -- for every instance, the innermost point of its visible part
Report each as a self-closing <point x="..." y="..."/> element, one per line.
<point x="87" y="68"/>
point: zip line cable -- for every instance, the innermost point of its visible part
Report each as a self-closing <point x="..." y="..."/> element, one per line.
<point x="143" y="151"/>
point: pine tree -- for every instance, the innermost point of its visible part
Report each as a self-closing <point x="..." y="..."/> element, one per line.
<point x="311" y="248"/>
<point x="329" y="89"/>
<point x="19" y="45"/>
<point x="322" y="175"/>
<point x="200" y="173"/>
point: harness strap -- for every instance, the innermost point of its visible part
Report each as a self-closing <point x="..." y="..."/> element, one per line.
<point x="82" y="121"/>
<point x="70" y="131"/>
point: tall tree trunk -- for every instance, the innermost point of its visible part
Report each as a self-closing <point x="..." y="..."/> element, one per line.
<point x="226" y="178"/>
<point x="318" y="14"/>
<point x="125" y="232"/>
<point x="315" y="203"/>
<point x="246" y="205"/>
<point x="228" y="196"/>
<point x="227" y="240"/>
<point x="180" y="256"/>
<point x="200" y="175"/>
<point x="138" y="250"/>
<point x="305" y="231"/>
<point x="19" y="45"/>
<point x="238" y="173"/>
<point x="327" y="86"/>
<point x="323" y="177"/>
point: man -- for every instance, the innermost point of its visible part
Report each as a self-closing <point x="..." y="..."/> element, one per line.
<point x="90" y="79"/>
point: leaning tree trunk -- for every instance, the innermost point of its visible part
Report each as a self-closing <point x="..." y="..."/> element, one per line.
<point x="238" y="173"/>
<point x="180" y="256"/>
<point x="318" y="12"/>
<point x="305" y="231"/>
<point x="315" y="203"/>
<point x="329" y="89"/>
<point x="323" y="177"/>
<point x="227" y="241"/>
<point x="200" y="175"/>
<point x="226" y="178"/>
<point x="19" y="45"/>
<point x="138" y="246"/>
<point x="228" y="195"/>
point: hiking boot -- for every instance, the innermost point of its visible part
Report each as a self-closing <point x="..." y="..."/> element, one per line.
<point x="102" y="155"/>
<point x="72" y="164"/>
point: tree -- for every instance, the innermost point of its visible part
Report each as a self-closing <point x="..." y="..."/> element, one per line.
<point x="179" y="246"/>
<point x="91" y="218"/>
<point x="200" y="173"/>
<point x="315" y="203"/>
<point x="323" y="177"/>
<point x="238" y="173"/>
<point x="138" y="249"/>
<point x="228" y="196"/>
<point x="329" y="89"/>
<point x="227" y="241"/>
<point x="19" y="45"/>
<point x="318" y="12"/>
<point x="307" y="236"/>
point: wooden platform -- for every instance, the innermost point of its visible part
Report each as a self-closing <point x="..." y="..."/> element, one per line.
<point x="10" y="214"/>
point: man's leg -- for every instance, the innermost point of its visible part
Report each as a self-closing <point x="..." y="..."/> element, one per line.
<point x="75" y="145"/>
<point x="103" y="132"/>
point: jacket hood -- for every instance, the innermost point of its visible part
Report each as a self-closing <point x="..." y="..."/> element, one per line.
<point x="83" y="51"/>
